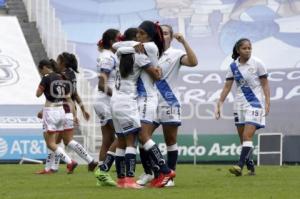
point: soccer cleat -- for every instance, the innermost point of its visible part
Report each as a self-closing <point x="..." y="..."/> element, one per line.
<point x="144" y="179"/>
<point x="104" y="179"/>
<point x="121" y="183"/>
<point x="130" y="183"/>
<point x="92" y="166"/>
<point x="44" y="171"/>
<point x="162" y="179"/>
<point x="71" y="167"/>
<point x="236" y="170"/>
<point x="170" y="183"/>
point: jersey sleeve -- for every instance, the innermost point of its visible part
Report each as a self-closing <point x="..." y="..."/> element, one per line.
<point x="229" y="75"/>
<point x="106" y="64"/>
<point x="142" y="60"/>
<point x="261" y="70"/>
<point x="43" y="83"/>
<point x="180" y="54"/>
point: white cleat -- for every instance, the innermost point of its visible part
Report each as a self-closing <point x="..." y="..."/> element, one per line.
<point x="170" y="183"/>
<point x="144" y="179"/>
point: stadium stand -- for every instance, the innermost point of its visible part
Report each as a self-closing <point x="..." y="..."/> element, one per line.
<point x="32" y="36"/>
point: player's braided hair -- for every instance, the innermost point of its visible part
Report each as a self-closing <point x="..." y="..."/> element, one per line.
<point x="236" y="46"/>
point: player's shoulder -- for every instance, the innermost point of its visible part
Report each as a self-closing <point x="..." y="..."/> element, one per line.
<point x="255" y="61"/>
<point x="175" y="51"/>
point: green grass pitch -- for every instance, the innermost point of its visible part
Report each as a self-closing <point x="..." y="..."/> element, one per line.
<point x="192" y="182"/>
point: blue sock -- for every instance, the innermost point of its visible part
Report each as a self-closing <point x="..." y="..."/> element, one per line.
<point x="107" y="163"/>
<point x="172" y="156"/>
<point x="130" y="160"/>
<point x="145" y="161"/>
<point x="120" y="163"/>
<point x="246" y="150"/>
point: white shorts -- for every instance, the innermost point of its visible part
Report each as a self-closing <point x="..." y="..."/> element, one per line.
<point x="125" y="115"/>
<point x="169" y="115"/>
<point x="148" y="109"/>
<point x="254" y="116"/>
<point x="53" y="119"/>
<point x="103" y="111"/>
<point x="69" y="121"/>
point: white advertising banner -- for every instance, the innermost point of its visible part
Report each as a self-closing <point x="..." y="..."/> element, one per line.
<point x="19" y="76"/>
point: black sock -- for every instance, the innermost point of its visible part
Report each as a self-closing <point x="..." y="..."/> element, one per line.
<point x="130" y="160"/>
<point x="158" y="159"/>
<point x="145" y="161"/>
<point x="243" y="156"/>
<point x="172" y="159"/>
<point x="107" y="163"/>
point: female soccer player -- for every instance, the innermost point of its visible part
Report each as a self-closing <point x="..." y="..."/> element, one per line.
<point x="67" y="66"/>
<point x="106" y="67"/>
<point x="252" y="100"/>
<point x="54" y="89"/>
<point x="126" y="116"/>
<point x="169" y="110"/>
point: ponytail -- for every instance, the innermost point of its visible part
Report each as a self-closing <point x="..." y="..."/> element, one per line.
<point x="69" y="61"/>
<point x="126" y="65"/>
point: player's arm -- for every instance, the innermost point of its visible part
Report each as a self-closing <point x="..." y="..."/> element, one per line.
<point x="266" y="89"/>
<point x="224" y="93"/>
<point x="190" y="58"/>
<point x="41" y="88"/>
<point x="102" y="84"/>
<point x="154" y="72"/>
<point x="78" y="100"/>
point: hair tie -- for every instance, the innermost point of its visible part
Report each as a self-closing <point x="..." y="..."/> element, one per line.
<point x="121" y="38"/>
<point x="100" y="43"/>
<point x="158" y="30"/>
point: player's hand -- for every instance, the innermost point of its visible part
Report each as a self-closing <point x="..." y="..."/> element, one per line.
<point x="86" y="115"/>
<point x="179" y="37"/>
<point x="267" y="109"/>
<point x="139" y="48"/>
<point x="76" y="121"/>
<point x="218" y="111"/>
<point x="159" y="71"/>
<point x="40" y="114"/>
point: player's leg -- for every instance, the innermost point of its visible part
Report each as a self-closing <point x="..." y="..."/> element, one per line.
<point x="170" y="135"/>
<point x="108" y="147"/>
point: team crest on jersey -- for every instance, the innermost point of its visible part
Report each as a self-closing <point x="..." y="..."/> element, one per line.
<point x="251" y="70"/>
<point x="8" y="72"/>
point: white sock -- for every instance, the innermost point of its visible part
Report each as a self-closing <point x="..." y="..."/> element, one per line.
<point x="78" y="148"/>
<point x="55" y="162"/>
<point x="62" y="154"/>
<point x="50" y="158"/>
<point x="149" y="144"/>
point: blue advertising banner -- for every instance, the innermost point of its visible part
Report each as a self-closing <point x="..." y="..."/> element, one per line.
<point x="17" y="146"/>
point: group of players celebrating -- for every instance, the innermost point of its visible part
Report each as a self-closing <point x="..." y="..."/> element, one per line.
<point x="137" y="92"/>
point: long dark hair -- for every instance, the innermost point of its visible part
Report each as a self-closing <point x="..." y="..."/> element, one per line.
<point x="127" y="60"/>
<point x="107" y="37"/>
<point x="236" y="47"/>
<point x="126" y="64"/>
<point x="155" y="33"/>
<point x="69" y="60"/>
